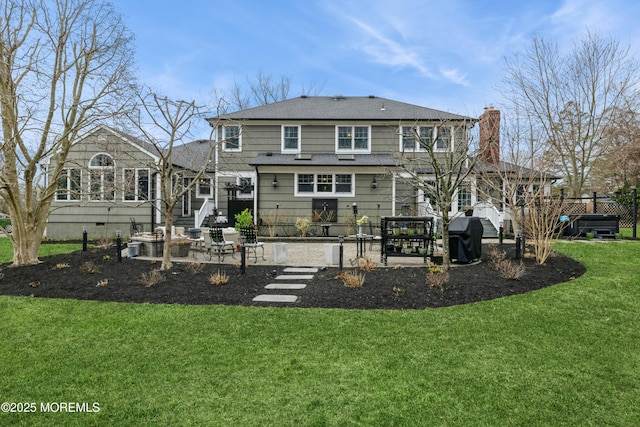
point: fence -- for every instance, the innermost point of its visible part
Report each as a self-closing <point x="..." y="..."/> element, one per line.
<point x="606" y="204"/>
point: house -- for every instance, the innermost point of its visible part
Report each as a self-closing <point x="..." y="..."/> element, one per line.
<point x="330" y="160"/>
<point x="324" y="158"/>
<point x="110" y="180"/>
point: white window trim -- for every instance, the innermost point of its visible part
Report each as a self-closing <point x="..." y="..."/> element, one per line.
<point x="240" y="195"/>
<point x="420" y="148"/>
<point x="353" y="150"/>
<point x="316" y="193"/>
<point x="284" y="150"/>
<point x="102" y="170"/>
<point x="199" y="195"/>
<point x="137" y="187"/>
<point x="451" y="140"/>
<point x="65" y="173"/>
<point x="224" y="139"/>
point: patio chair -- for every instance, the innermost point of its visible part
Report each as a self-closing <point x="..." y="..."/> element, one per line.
<point x="251" y="241"/>
<point x="219" y="243"/>
<point x="133" y="228"/>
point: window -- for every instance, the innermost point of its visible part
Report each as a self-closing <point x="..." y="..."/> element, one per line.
<point x="101" y="178"/>
<point x="204" y="188"/>
<point x="291" y="139"/>
<point x="408" y="141"/>
<point x="323" y="184"/>
<point x="246" y="187"/>
<point x="136" y="184"/>
<point x="343" y="184"/>
<point x="69" y="185"/>
<point x="305" y="183"/>
<point x="231" y="137"/>
<point x="464" y="196"/>
<point x="352" y="138"/>
<point x="443" y="142"/>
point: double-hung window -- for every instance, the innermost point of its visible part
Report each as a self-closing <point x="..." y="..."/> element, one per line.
<point x="69" y="185"/>
<point x="324" y="184"/>
<point x="443" y="141"/>
<point x="136" y="185"/>
<point x="353" y="139"/>
<point x="231" y="138"/>
<point x="290" y="139"/>
<point x="408" y="141"/>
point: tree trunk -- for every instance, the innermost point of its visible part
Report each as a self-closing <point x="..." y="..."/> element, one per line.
<point x="446" y="259"/>
<point x="166" y="256"/>
<point x="26" y="240"/>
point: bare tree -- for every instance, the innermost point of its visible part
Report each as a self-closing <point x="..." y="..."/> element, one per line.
<point x="64" y="65"/>
<point x="570" y="98"/>
<point x="166" y="124"/>
<point x="437" y="169"/>
<point x="260" y="90"/>
<point x="522" y="181"/>
<point x="619" y="168"/>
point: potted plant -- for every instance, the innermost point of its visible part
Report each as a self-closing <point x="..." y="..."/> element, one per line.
<point x="244" y="219"/>
<point x="361" y="222"/>
<point x="180" y="247"/>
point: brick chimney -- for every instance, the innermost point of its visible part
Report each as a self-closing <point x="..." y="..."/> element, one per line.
<point x="489" y="123"/>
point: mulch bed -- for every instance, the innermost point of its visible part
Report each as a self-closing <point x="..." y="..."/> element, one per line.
<point x="65" y="276"/>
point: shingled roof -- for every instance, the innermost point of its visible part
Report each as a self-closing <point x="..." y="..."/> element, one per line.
<point x="340" y="108"/>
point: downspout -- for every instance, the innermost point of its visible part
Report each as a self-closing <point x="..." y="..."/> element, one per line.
<point x="152" y="198"/>
<point x="256" y="197"/>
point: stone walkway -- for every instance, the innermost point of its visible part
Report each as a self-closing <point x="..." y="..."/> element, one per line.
<point x="284" y="283"/>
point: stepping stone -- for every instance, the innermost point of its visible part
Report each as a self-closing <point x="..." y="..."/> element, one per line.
<point x="301" y="270"/>
<point x="295" y="277"/>
<point x="285" y="286"/>
<point x="276" y="298"/>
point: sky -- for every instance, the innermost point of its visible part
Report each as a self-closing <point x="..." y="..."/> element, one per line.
<point x="447" y="54"/>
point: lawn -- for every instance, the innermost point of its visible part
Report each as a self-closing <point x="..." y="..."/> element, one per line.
<point x="564" y="355"/>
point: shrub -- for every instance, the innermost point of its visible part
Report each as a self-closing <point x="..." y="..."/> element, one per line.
<point x="366" y="264"/>
<point x="506" y="268"/>
<point x="151" y="278"/>
<point x="218" y="279"/>
<point x="104" y="243"/>
<point x="195" y="267"/>
<point x="399" y="291"/>
<point x="89" y="267"/>
<point x="351" y="280"/>
<point x="437" y="276"/>
<point x="302" y="225"/>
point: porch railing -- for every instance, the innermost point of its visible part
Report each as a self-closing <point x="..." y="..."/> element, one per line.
<point x="203" y="212"/>
<point x="489" y="211"/>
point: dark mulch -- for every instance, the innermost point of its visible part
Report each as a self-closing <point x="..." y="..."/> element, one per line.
<point x="467" y="284"/>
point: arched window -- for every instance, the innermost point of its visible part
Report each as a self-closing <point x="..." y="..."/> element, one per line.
<point x="101" y="178"/>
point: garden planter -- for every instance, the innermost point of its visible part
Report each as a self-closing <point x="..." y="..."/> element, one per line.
<point x="180" y="250"/>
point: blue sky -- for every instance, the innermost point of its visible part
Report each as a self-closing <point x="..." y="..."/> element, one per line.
<point x="445" y="54"/>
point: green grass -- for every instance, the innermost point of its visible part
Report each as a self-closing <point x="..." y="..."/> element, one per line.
<point x="565" y="355"/>
<point x="6" y="249"/>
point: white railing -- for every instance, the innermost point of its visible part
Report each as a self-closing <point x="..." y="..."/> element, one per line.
<point x="201" y="214"/>
<point x="488" y="211"/>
